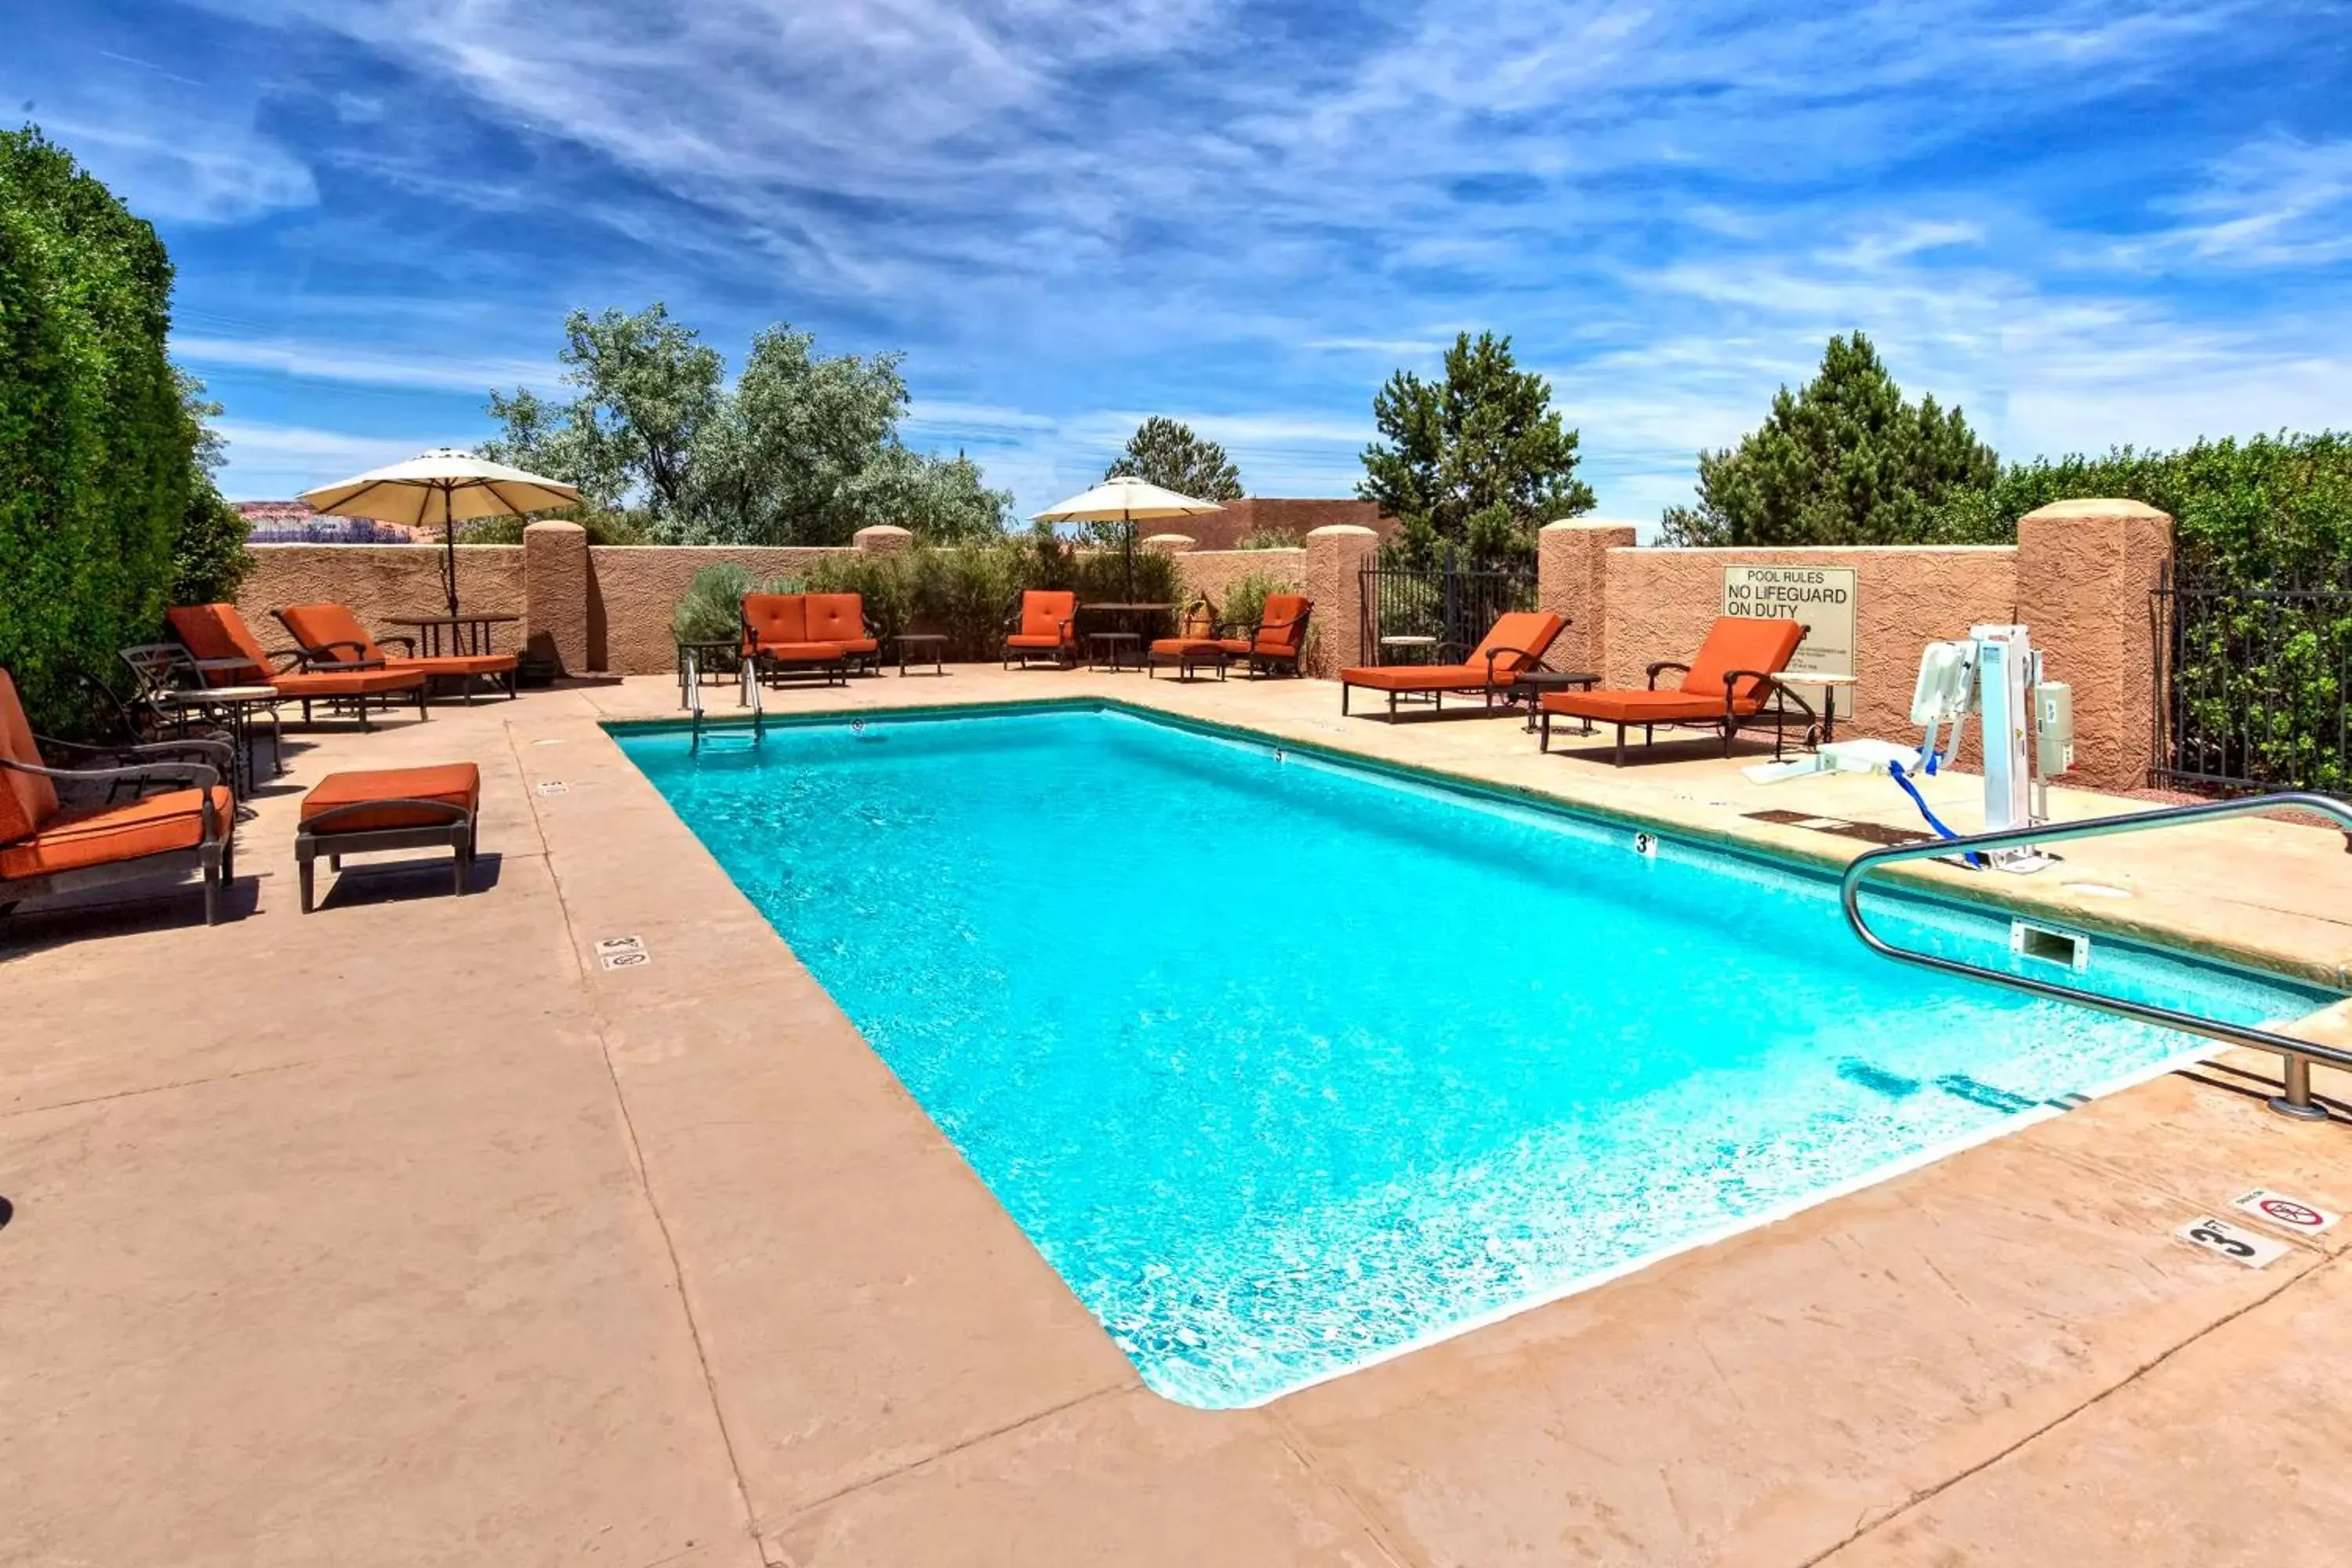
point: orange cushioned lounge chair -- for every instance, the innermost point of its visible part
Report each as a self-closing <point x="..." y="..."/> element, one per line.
<point x="229" y="655"/>
<point x="826" y="633"/>
<point x="1519" y="641"/>
<point x="332" y="638"/>
<point x="48" y="847"/>
<point x="1726" y="687"/>
<point x="1047" y="623"/>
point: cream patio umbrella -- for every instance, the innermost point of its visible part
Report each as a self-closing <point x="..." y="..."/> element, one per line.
<point x="1126" y="499"/>
<point x="444" y="487"/>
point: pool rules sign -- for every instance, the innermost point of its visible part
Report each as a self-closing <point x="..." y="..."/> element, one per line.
<point x="1821" y="597"/>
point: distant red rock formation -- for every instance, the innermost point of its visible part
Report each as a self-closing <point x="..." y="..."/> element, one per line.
<point x="293" y="523"/>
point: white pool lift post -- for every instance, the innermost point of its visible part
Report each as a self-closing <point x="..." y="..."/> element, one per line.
<point x="2028" y="729"/>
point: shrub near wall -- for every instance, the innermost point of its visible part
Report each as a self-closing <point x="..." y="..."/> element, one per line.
<point x="94" y="454"/>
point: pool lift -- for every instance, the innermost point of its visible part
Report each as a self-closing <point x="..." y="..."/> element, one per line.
<point x="1995" y="673"/>
<point x="2027" y="730"/>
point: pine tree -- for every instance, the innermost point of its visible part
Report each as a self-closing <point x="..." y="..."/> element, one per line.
<point x="1844" y="461"/>
<point x="1479" y="459"/>
<point x="1166" y="453"/>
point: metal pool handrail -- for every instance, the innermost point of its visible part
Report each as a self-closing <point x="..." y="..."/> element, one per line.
<point x="2297" y="1055"/>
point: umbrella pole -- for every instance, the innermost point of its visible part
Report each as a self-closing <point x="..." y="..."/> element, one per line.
<point x="1128" y="537"/>
<point x="449" y="549"/>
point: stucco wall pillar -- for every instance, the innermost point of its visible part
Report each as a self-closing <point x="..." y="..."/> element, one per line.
<point x="1336" y="555"/>
<point x="2085" y="569"/>
<point x="555" y="593"/>
<point x="1572" y="581"/>
<point x="883" y="539"/>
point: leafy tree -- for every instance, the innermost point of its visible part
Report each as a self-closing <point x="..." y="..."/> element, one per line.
<point x="2271" y="507"/>
<point x="1479" y="459"/>
<point x="208" y="554"/>
<point x="1845" y="460"/>
<point x="95" y="453"/>
<point x="1165" y="452"/>
<point x="801" y="450"/>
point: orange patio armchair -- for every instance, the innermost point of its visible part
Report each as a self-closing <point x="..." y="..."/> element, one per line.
<point x="48" y="847"/>
<point x="1726" y="687"/>
<point x="1278" y="639"/>
<point x="1517" y="643"/>
<point x="1046" y="623"/>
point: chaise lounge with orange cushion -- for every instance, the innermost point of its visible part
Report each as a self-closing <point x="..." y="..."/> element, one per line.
<point x="824" y="632"/>
<point x="1047" y="623"/>
<point x="1724" y="687"/>
<point x="1517" y="642"/>
<point x="229" y="655"/>
<point x="332" y="638"/>
<point x="48" y="847"/>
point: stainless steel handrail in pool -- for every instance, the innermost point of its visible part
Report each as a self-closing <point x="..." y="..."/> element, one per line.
<point x="2297" y="1055"/>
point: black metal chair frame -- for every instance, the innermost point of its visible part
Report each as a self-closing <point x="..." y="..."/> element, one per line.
<point x="456" y="833"/>
<point x="214" y="855"/>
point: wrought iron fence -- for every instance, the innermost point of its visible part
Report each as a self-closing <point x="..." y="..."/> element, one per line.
<point x="1449" y="603"/>
<point x="2254" y="681"/>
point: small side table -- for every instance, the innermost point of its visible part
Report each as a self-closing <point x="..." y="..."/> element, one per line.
<point x="700" y="664"/>
<point x="1420" y="648"/>
<point x="1831" y="685"/>
<point x="1532" y="684"/>
<point x="238" y="704"/>
<point x="1112" y="647"/>
<point x="922" y="646"/>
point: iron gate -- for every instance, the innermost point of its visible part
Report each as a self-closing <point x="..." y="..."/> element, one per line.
<point x="2253" y="681"/>
<point x="1447" y="603"/>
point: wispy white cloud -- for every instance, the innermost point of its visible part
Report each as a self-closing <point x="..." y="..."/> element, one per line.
<point x="1071" y="216"/>
<point x="414" y="366"/>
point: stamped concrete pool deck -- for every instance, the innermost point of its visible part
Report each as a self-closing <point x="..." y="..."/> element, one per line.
<point x="403" y="1232"/>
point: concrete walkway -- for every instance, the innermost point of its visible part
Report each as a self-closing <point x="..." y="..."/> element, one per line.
<point x="405" y="1233"/>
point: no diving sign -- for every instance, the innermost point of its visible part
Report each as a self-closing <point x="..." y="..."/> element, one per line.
<point x="2290" y="1214"/>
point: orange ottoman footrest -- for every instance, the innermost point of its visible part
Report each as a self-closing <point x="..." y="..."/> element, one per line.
<point x="389" y="808"/>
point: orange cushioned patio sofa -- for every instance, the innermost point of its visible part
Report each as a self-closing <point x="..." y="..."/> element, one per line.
<point x="332" y="638"/>
<point x="228" y="653"/>
<point x="1726" y="687"/>
<point x="826" y="633"/>
<point x="48" y="847"/>
<point x="1517" y="642"/>
<point x="1046" y="623"/>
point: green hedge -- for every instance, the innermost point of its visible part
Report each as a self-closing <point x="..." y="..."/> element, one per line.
<point x="95" y="468"/>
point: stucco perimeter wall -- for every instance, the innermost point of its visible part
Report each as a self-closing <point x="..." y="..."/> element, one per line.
<point x="1662" y="601"/>
<point x="379" y="581"/>
<point x="1214" y="572"/>
<point x="632" y="589"/>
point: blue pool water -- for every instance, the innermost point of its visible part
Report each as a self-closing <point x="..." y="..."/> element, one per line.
<point x="1288" y="1066"/>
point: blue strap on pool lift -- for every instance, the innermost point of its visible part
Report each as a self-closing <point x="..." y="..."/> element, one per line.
<point x="1920" y="801"/>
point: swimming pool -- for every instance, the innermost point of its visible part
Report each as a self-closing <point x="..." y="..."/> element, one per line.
<point x="1289" y="1067"/>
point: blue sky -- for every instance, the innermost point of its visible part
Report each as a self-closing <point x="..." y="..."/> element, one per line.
<point x="2098" y="223"/>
